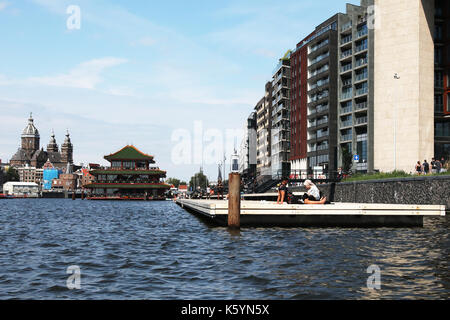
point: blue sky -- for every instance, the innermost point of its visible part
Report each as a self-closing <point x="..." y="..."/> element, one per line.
<point x="136" y="71"/>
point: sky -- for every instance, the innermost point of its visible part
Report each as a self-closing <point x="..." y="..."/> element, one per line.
<point x="176" y="79"/>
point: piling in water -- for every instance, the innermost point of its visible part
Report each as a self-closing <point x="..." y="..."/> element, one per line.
<point x="234" y="200"/>
<point x="73" y="195"/>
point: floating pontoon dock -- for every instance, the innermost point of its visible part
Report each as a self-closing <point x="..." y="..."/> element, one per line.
<point x="262" y="213"/>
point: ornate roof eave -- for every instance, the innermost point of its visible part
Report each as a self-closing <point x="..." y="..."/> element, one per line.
<point x="129" y="152"/>
<point x="128" y="172"/>
<point x="128" y="185"/>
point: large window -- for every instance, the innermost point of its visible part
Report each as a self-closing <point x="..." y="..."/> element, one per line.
<point x="128" y="164"/>
<point x="116" y="164"/>
<point x="438" y="103"/>
<point x="442" y="129"/>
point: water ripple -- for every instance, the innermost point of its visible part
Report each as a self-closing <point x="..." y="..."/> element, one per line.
<point x="156" y="250"/>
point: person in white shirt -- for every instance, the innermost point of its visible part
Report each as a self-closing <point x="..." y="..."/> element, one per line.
<point x="312" y="196"/>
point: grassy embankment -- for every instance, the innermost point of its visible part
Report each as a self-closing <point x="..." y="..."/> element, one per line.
<point x="389" y="175"/>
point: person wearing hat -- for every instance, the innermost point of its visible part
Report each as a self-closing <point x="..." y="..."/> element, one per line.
<point x="312" y="195"/>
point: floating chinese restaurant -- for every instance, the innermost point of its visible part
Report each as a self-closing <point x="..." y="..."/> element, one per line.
<point x="130" y="177"/>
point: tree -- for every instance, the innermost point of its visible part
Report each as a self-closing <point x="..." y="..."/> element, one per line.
<point x="12" y="174"/>
<point x="346" y="159"/>
<point x="198" y="180"/>
<point x="176" y="182"/>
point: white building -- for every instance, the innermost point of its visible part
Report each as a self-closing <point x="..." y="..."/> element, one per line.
<point x="21" y="189"/>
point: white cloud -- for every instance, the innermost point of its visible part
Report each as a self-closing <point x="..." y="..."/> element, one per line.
<point x="145" y="41"/>
<point x="86" y="75"/>
<point x="3" y="5"/>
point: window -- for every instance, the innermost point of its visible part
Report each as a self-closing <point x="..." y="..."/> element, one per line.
<point x="442" y="129"/>
<point x="448" y="102"/>
<point x="438" y="103"/>
<point x="438" y="79"/>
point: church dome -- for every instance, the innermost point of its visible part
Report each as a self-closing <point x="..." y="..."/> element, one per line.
<point x="30" y="130"/>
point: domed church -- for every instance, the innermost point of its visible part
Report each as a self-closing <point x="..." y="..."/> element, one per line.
<point x="31" y="154"/>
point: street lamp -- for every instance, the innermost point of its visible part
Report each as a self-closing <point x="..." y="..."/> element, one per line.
<point x="396" y="77"/>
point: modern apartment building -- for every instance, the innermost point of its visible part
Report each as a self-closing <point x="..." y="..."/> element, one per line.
<point x="322" y="75"/>
<point x="442" y="79"/>
<point x="403" y="84"/>
<point x="299" y="108"/>
<point x="247" y="152"/>
<point x="280" y="132"/>
<point x="355" y="85"/>
<point x="263" y="110"/>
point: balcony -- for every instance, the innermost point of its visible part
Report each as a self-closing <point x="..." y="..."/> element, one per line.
<point x="361" y="47"/>
<point x="318" y="46"/>
<point x="322" y="121"/>
<point x="347" y="82"/>
<point x="362" y="120"/>
<point x="361" y="62"/>
<point x="319" y="58"/>
<point x="346" y="137"/>
<point x="361" y="76"/>
<point x="346" y="54"/>
<point x="348" y="109"/>
<point x="346" y="39"/>
<point x="362" y="33"/>
<point x="322" y="147"/>
<point x="321" y="134"/>
<point x="346" y="67"/>
<point x="361" y="106"/>
<point x="318" y="71"/>
<point x="361" y="91"/>
<point x="346" y="123"/>
<point x="322" y="108"/>
<point x="346" y="26"/>
<point x="346" y="95"/>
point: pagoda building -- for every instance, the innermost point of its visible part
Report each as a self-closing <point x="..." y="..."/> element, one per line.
<point x="129" y="177"/>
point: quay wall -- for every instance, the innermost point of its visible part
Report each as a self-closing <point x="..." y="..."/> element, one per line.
<point x="417" y="190"/>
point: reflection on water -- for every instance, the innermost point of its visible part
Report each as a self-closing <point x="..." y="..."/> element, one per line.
<point x="156" y="250"/>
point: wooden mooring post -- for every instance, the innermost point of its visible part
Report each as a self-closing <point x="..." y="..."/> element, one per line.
<point x="234" y="200"/>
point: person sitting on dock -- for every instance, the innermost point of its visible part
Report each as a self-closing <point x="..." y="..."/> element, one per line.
<point x="282" y="191"/>
<point x="312" y="196"/>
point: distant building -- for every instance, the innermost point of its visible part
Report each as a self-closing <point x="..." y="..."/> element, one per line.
<point x="21" y="189"/>
<point x="49" y="174"/>
<point x="31" y="174"/>
<point x="130" y="177"/>
<point x="30" y="153"/>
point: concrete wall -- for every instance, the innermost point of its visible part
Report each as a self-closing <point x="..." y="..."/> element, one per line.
<point x="418" y="190"/>
<point x="403" y="45"/>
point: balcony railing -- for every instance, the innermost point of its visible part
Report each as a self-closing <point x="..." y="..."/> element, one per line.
<point x="317" y="71"/>
<point x="321" y="134"/>
<point x="322" y="108"/>
<point x="361" y="62"/>
<point x="361" y="76"/>
<point x="322" y="147"/>
<point x="361" y="120"/>
<point x="346" y="54"/>
<point x="347" y="82"/>
<point x="346" y="39"/>
<point x="346" y="137"/>
<point x="318" y="46"/>
<point x="322" y="121"/>
<point x="319" y="58"/>
<point x="361" y="105"/>
<point x="361" y="91"/>
<point x="346" y="26"/>
<point x="362" y="33"/>
<point x="347" y="123"/>
<point x="346" y="67"/>
<point x="346" y="109"/>
<point x="361" y="47"/>
<point x="346" y="95"/>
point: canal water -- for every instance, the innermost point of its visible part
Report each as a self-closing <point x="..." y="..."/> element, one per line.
<point x="156" y="250"/>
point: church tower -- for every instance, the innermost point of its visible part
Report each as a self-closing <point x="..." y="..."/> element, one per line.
<point x="67" y="150"/>
<point x="52" y="145"/>
<point x="30" y="137"/>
